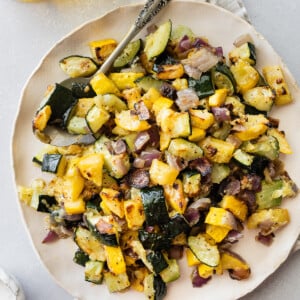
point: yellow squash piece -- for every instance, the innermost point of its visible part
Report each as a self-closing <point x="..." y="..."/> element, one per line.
<point x="134" y="213"/>
<point x="197" y="134"/>
<point x="73" y="184"/>
<point x="132" y="96"/>
<point x="201" y="118"/>
<point x="254" y="126"/>
<point x="231" y="261"/>
<point x="102" y="85"/>
<point x="205" y="271"/>
<point x="192" y="260"/>
<point x="218" y="233"/>
<point x="180" y="84"/>
<point x="161" y="173"/>
<point x="113" y="201"/>
<point x="245" y="75"/>
<point x="218" y="98"/>
<point x="130" y="121"/>
<point x="275" y="78"/>
<point x="235" y="206"/>
<point x="161" y="103"/>
<point x="217" y="150"/>
<point x="83" y="106"/>
<point x="115" y="259"/>
<point x="75" y="206"/>
<point x="175" y="196"/>
<point x="125" y="80"/>
<point x="220" y="217"/>
<point x="91" y="167"/>
<point x="42" y="117"/>
<point x="101" y="49"/>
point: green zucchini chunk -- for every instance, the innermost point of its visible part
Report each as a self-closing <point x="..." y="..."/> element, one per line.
<point x="203" y="250"/>
<point x="62" y="103"/>
<point x="78" y="66"/>
<point x="89" y="244"/>
<point x="109" y="239"/>
<point x="78" y="125"/>
<point x="128" y="54"/>
<point x="245" y="52"/>
<point x="154" y="287"/>
<point x="96" y="118"/>
<point x="157" y="41"/>
<point x="94" y="271"/>
<point x="204" y="86"/>
<point x="80" y="257"/>
<point x="147" y="82"/>
<point x="171" y="272"/>
<point x="54" y="163"/>
<point x="270" y="194"/>
<point x="157" y="261"/>
<point x="47" y="203"/>
<point x="223" y="78"/>
<point x="154" y="205"/>
<point x="154" y="241"/>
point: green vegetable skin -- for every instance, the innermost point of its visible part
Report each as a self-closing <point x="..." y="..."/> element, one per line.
<point x="201" y="181"/>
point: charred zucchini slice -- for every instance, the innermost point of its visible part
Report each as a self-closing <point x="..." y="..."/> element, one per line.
<point x="96" y="118"/>
<point x="157" y="41"/>
<point x="147" y="82"/>
<point x="78" y="66"/>
<point x="94" y="271"/>
<point x="154" y="287"/>
<point x="205" y="251"/>
<point x="204" y="86"/>
<point x="154" y="205"/>
<point x="62" y="104"/>
<point x="223" y="78"/>
<point x="128" y="54"/>
<point x="245" y="52"/>
<point x="54" y="163"/>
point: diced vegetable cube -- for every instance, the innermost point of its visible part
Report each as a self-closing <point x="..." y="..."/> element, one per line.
<point x="218" y="98"/>
<point x="161" y="173"/>
<point x="220" y="217"/>
<point x="125" y="80"/>
<point x="102" y="85"/>
<point x="235" y="206"/>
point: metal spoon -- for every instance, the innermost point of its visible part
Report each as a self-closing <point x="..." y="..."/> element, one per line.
<point x="58" y="137"/>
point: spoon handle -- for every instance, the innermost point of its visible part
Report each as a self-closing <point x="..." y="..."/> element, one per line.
<point x="150" y="9"/>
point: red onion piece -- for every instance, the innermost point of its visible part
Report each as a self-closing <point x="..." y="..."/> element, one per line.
<point x="266" y="240"/>
<point x="138" y="178"/>
<point x="175" y="161"/>
<point x="184" y="44"/>
<point x="202" y="164"/>
<point x="51" y="236"/>
<point x="221" y="114"/>
<point x="219" y="52"/>
<point x="187" y="99"/>
<point x="192" y="215"/>
<point x="249" y="198"/>
<point x="201" y="204"/>
<point x="197" y="280"/>
<point x="175" y="252"/>
<point x="141" y="140"/>
<point x="233" y="187"/>
<point x="142" y="110"/>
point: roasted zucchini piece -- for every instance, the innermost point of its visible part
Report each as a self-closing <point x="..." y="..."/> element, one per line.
<point x="223" y="78"/>
<point x="270" y="194"/>
<point x="78" y="66"/>
<point x="185" y="149"/>
<point x="191" y="183"/>
<point x="78" y="125"/>
<point x="128" y="54"/>
<point x="147" y="82"/>
<point x="101" y="49"/>
<point x="46" y="203"/>
<point x="154" y="287"/>
<point x="171" y="272"/>
<point x="154" y="205"/>
<point x="158" y="261"/>
<point x="80" y="257"/>
<point x="245" y="52"/>
<point x="204" y="86"/>
<point x="219" y="172"/>
<point x="96" y="118"/>
<point x="266" y="146"/>
<point x="110" y="102"/>
<point x="62" y="104"/>
<point x="157" y="41"/>
<point x="243" y="157"/>
<point x="261" y="97"/>
<point x="89" y="244"/>
<point x="284" y="146"/>
<point x="204" y="249"/>
<point x="54" y="163"/>
<point x="93" y="271"/>
<point x="116" y="282"/>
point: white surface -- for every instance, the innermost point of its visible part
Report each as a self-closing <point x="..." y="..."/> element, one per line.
<point x="27" y="31"/>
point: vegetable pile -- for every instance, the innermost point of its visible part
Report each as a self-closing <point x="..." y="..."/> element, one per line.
<point x="185" y="155"/>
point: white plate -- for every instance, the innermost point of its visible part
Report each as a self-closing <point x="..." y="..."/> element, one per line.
<point x="222" y="28"/>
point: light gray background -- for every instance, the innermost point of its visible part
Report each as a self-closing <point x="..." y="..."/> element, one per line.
<point x="28" y="30"/>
